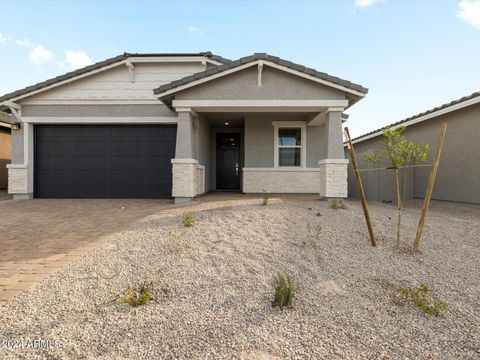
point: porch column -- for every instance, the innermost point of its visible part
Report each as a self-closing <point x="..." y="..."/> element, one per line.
<point x="333" y="169"/>
<point x="20" y="171"/>
<point x="184" y="166"/>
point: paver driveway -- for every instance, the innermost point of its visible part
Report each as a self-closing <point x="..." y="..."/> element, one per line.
<point x="37" y="237"/>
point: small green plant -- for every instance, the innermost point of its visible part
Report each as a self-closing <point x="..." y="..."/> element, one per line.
<point x="265" y="197"/>
<point x="283" y="291"/>
<point x="338" y="204"/>
<point x="135" y="298"/>
<point x="189" y="220"/>
<point x="420" y="299"/>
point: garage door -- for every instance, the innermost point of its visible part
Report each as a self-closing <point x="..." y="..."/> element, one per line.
<point x="97" y="161"/>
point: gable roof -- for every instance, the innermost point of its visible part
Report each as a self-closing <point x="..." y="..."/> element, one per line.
<point x="465" y="101"/>
<point x="102" y="64"/>
<point x="192" y="79"/>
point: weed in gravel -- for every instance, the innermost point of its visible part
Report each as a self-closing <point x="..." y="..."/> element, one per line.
<point x="135" y="298"/>
<point x="419" y="298"/>
<point x="338" y="204"/>
<point x="265" y="197"/>
<point x="189" y="220"/>
<point x="283" y="291"/>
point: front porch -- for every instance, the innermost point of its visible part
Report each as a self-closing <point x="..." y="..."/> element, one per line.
<point x="252" y="152"/>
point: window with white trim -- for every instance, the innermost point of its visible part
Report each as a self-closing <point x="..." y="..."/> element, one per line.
<point x="289" y="146"/>
<point x="290" y="141"/>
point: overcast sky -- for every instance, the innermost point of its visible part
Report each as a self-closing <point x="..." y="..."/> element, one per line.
<point x="412" y="55"/>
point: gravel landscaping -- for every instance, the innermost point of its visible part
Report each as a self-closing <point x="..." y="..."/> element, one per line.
<point x="213" y="287"/>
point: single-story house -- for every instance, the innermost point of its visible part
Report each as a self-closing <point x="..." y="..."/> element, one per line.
<point x="180" y="125"/>
<point x="458" y="176"/>
<point x="5" y="148"/>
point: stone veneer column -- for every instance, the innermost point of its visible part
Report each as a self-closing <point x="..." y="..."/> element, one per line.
<point x="333" y="169"/>
<point x="184" y="166"/>
<point x="20" y="171"/>
<point x="333" y="178"/>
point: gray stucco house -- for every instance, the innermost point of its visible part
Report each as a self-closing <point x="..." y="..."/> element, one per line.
<point x="458" y="176"/>
<point x="180" y="125"/>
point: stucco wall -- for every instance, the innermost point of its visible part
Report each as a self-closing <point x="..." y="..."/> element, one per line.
<point x="144" y="110"/>
<point x="259" y="142"/>
<point x="276" y="85"/>
<point x="458" y="177"/>
<point x="5" y="156"/>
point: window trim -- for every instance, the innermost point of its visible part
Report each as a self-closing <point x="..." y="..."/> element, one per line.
<point x="303" y="139"/>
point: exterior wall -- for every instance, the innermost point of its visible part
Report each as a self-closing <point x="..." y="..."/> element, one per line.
<point x="121" y="111"/>
<point x="276" y="85"/>
<point x="259" y="141"/>
<point x="328" y="180"/>
<point x="115" y="84"/>
<point x="5" y="156"/>
<point x="458" y="176"/>
<point x="281" y="181"/>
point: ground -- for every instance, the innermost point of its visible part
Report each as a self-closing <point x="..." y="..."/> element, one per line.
<point x="39" y="237"/>
<point x="213" y="286"/>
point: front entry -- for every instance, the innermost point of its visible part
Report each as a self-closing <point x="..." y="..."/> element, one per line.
<point x="228" y="161"/>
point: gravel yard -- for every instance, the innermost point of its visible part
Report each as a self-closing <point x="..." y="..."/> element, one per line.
<point x="213" y="287"/>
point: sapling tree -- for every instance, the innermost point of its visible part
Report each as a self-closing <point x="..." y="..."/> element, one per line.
<point x="400" y="153"/>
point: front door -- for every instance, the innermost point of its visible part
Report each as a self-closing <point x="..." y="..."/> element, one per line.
<point x="228" y="161"/>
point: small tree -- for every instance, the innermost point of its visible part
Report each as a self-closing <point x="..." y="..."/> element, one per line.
<point x="400" y="152"/>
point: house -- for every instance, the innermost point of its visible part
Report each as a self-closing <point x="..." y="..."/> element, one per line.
<point x="180" y="125"/>
<point x="5" y="149"/>
<point x="458" y="176"/>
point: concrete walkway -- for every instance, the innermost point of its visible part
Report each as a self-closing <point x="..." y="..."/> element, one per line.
<point x="38" y="237"/>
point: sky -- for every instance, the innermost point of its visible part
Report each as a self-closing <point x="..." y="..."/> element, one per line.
<point x="412" y="55"/>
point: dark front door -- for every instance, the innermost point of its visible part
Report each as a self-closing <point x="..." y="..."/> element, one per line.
<point x="104" y="161"/>
<point x="228" y="161"/>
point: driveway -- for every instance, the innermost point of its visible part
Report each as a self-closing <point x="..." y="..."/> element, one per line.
<point x="37" y="237"/>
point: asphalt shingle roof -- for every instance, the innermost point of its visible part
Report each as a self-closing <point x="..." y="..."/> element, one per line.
<point x="101" y="64"/>
<point x="446" y="105"/>
<point x="254" y="57"/>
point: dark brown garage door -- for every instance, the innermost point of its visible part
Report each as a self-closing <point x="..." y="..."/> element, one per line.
<point x="104" y="161"/>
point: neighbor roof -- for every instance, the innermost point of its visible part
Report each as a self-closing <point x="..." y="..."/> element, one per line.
<point x="101" y="64"/>
<point x="259" y="56"/>
<point x="454" y="105"/>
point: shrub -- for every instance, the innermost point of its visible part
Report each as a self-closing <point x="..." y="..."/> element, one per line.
<point x="338" y="204"/>
<point x="189" y="220"/>
<point x="135" y="298"/>
<point x="265" y="197"/>
<point x="283" y="291"/>
<point x="419" y="298"/>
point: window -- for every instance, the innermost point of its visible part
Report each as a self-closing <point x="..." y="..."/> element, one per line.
<point x="289" y="144"/>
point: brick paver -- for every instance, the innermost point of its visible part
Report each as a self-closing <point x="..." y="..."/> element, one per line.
<point x="39" y="237"/>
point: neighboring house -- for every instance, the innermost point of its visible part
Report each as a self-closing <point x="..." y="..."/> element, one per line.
<point x="5" y="148"/>
<point x="180" y="125"/>
<point x="458" y="176"/>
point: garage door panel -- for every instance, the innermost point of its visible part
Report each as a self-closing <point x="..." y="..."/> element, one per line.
<point x="100" y="161"/>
